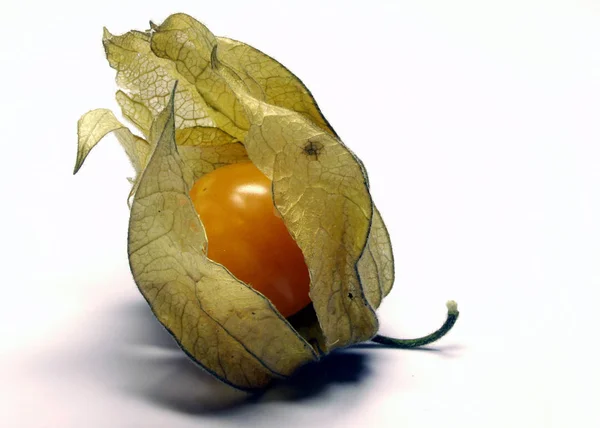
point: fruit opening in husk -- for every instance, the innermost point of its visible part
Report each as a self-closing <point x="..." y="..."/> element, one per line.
<point x="247" y="235"/>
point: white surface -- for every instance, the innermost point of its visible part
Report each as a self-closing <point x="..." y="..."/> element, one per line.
<point x="479" y="125"/>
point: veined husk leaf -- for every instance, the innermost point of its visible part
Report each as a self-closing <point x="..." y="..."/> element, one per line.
<point x="269" y="81"/>
<point x="95" y="125"/>
<point x="206" y="149"/>
<point x="233" y="103"/>
<point x="136" y="112"/>
<point x="149" y="80"/>
<point x="376" y="265"/>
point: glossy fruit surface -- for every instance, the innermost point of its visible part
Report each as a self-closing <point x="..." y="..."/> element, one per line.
<point x="247" y="236"/>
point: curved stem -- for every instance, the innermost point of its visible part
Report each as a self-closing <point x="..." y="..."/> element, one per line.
<point x="422" y="341"/>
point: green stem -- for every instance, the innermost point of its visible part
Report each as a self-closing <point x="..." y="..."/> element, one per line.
<point x="426" y="340"/>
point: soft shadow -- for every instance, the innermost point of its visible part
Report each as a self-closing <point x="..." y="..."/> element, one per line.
<point x="448" y="351"/>
<point x="149" y="364"/>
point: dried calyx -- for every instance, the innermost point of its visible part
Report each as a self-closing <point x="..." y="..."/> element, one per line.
<point x="201" y="102"/>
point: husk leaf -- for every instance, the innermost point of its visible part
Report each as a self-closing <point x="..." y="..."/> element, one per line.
<point x="232" y="103"/>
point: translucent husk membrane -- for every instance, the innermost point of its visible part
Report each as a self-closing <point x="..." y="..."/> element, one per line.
<point x="201" y="102"/>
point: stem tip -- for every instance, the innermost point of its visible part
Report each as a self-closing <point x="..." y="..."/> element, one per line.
<point x="452" y="307"/>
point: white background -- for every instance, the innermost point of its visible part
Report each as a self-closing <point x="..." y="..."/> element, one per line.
<point x="479" y="124"/>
